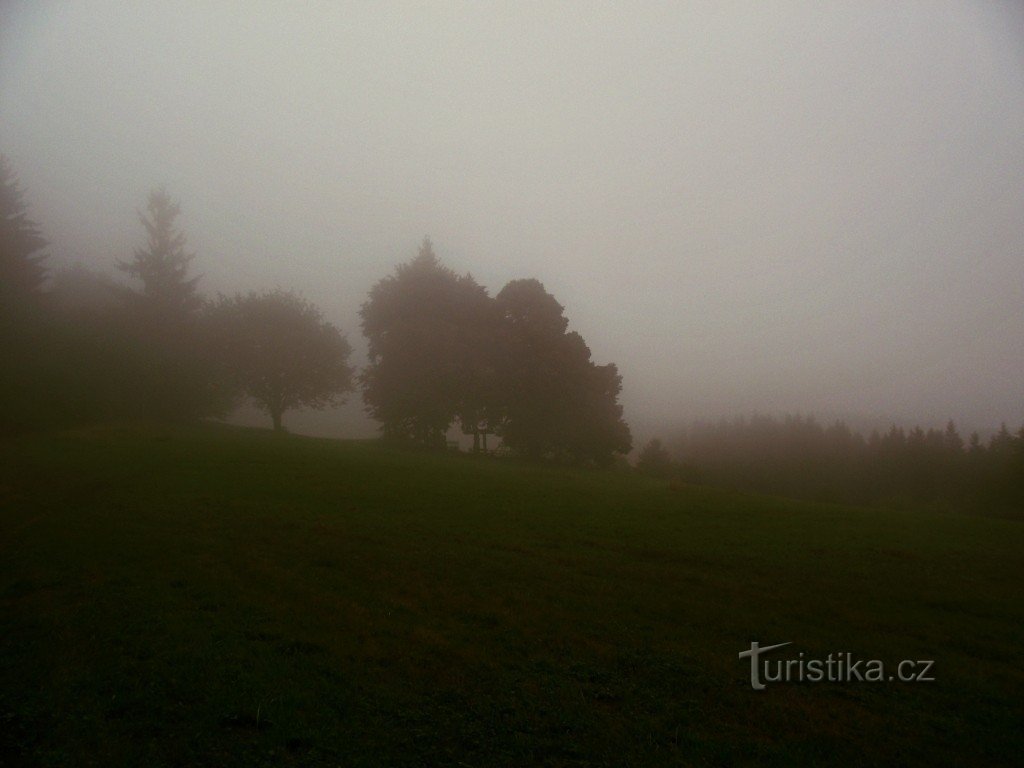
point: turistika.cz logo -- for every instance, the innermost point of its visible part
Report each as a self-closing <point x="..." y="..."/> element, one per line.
<point x="840" y="667"/>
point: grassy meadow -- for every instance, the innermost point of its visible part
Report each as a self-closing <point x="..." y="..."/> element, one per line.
<point x="224" y="597"/>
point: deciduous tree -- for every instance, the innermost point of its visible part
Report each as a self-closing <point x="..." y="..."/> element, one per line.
<point x="281" y="352"/>
<point x="556" y="401"/>
<point x="425" y="326"/>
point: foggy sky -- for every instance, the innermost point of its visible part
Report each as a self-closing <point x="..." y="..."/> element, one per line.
<point x="807" y="207"/>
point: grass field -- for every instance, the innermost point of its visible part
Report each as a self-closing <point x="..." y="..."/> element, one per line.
<point x="216" y="596"/>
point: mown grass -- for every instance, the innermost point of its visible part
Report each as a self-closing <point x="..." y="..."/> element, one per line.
<point x="212" y="596"/>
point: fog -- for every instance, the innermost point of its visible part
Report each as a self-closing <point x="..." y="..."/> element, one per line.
<point x="785" y="207"/>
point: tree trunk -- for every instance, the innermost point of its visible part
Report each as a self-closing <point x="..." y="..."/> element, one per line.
<point x="275" y="414"/>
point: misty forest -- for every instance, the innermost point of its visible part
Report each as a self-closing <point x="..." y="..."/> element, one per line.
<point x="305" y="459"/>
<point x="441" y="352"/>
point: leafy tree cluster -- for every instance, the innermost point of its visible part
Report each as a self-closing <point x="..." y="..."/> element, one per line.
<point x="85" y="347"/>
<point x="441" y="351"/>
<point x="798" y="456"/>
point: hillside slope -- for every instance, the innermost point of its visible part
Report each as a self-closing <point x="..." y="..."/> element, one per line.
<point x="217" y="596"/>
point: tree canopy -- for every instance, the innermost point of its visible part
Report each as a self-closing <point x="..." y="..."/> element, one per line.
<point x="280" y="352"/>
<point x="556" y="400"/>
<point x="441" y="349"/>
<point x="423" y="326"/>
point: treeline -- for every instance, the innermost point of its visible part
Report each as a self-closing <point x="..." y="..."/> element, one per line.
<point x="800" y="457"/>
<point x="81" y="347"/>
<point x="78" y="346"/>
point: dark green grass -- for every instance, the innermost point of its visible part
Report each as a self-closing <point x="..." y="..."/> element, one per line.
<point x="212" y="596"/>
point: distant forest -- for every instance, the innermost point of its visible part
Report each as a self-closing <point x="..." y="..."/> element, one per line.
<point x="798" y="456"/>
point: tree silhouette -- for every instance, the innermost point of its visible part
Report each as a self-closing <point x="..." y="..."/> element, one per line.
<point x="25" y="383"/>
<point x="168" y="295"/>
<point x="21" y="267"/>
<point x="479" y="390"/>
<point x="280" y="352"/>
<point x="556" y="402"/>
<point x="175" y="375"/>
<point x="424" y="328"/>
<point x="536" y="355"/>
<point x="441" y="349"/>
